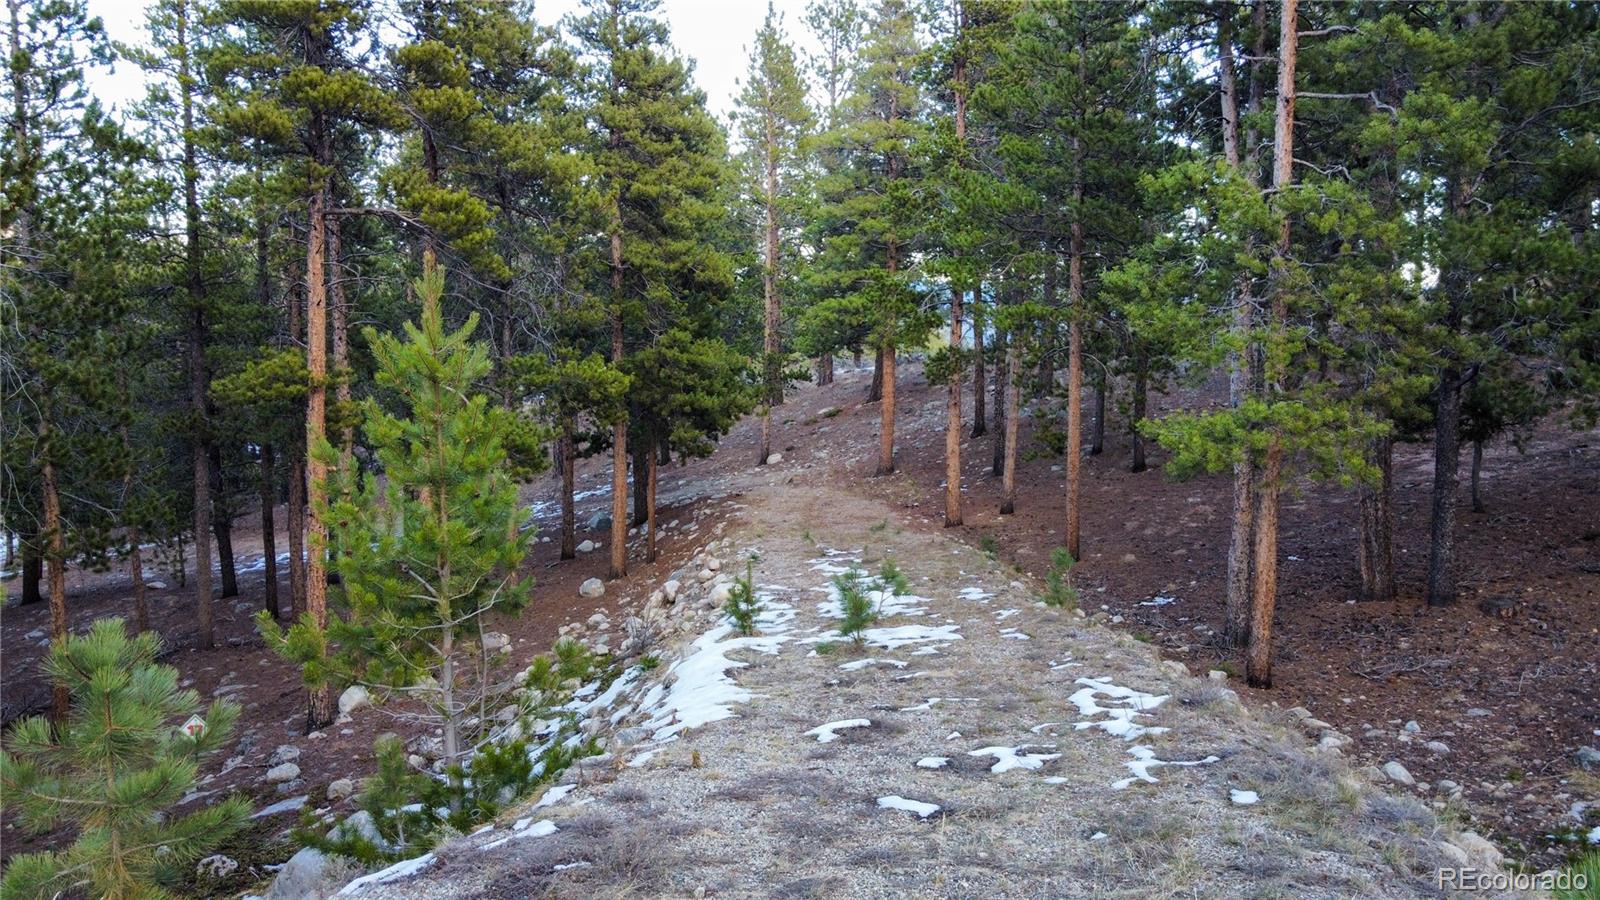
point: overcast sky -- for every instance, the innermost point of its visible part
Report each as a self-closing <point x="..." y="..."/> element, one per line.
<point x="715" y="34"/>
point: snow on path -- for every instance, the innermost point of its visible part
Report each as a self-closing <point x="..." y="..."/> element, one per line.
<point x="827" y="732"/>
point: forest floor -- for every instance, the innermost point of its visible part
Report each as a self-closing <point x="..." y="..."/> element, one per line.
<point x="1511" y="700"/>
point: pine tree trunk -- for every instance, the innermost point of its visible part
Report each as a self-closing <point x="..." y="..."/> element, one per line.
<point x="339" y="311"/>
<point x="319" y="709"/>
<point x="1241" y="540"/>
<point x="269" y="537"/>
<point x="222" y="527"/>
<point x="1446" y="473"/>
<point x="1097" y="437"/>
<point x="650" y="520"/>
<point x="295" y="508"/>
<point x="619" y="438"/>
<point x="952" y="432"/>
<point x="773" y="369"/>
<point x="569" y="514"/>
<point x="1075" y="382"/>
<point x="980" y="380"/>
<point x="1264" y="597"/>
<point x="1477" y="472"/>
<point x="1012" y="401"/>
<point x="1005" y="383"/>
<point x="875" y="389"/>
<point x="1375" y="550"/>
<point x="141" y="609"/>
<point x="32" y="571"/>
<point x="55" y="554"/>
<point x="825" y="369"/>
<point x="642" y="454"/>
<point x="886" y="413"/>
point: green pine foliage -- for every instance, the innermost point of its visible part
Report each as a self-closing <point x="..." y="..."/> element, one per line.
<point x="855" y="601"/>
<point x="113" y="772"/>
<point x="426" y="553"/>
<point x="743" y="605"/>
<point x="1058" y="590"/>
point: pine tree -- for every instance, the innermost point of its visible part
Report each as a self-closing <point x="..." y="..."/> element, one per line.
<point x="113" y="771"/>
<point x="427" y="553"/>
<point x="773" y="120"/>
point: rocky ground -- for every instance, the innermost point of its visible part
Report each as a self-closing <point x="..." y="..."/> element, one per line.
<point x="976" y="743"/>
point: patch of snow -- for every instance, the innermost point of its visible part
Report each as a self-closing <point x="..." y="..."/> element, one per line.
<point x="975" y="594"/>
<point x="895" y="801"/>
<point x="1119" y="720"/>
<point x="828" y="732"/>
<point x="643" y="758"/>
<point x="1159" y="601"/>
<point x="1014" y="634"/>
<point x="541" y="828"/>
<point x="282" y="806"/>
<point x="1037" y="729"/>
<point x="1008" y="758"/>
<point x="701" y="691"/>
<point x="405" y="868"/>
<point x="933" y="762"/>
<point x="872" y="661"/>
<point x="555" y="795"/>
<point x="1055" y="779"/>
<point x="1004" y="614"/>
<point x="1144" y="759"/>
<point x="1243" y="798"/>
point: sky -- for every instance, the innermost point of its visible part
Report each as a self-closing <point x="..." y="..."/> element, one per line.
<point x="715" y="34"/>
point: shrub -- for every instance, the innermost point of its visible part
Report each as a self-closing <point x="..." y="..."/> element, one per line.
<point x="742" y="606"/>
<point x="856" y="603"/>
<point x="112" y="771"/>
<point x="1058" y="590"/>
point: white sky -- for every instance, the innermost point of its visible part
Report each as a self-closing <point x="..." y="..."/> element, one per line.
<point x="715" y="34"/>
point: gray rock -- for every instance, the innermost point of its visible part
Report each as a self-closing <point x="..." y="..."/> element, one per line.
<point x="1397" y="773"/>
<point x="284" y="753"/>
<point x="1413" y="727"/>
<point x="627" y="737"/>
<point x="1588" y="757"/>
<point x="1439" y="748"/>
<point x="598" y="522"/>
<point x="281" y="773"/>
<point x="1299" y="712"/>
<point x="714" y="564"/>
<point x="705" y="575"/>
<point x="360" y="824"/>
<point x="774" y="458"/>
<point x="586" y="547"/>
<point x="599" y="620"/>
<point x="719" y="595"/>
<point x="592" y="588"/>
<point x="1214" y="674"/>
<point x="1479" y="712"/>
<point x="301" y="878"/>
<point x="216" y="866"/>
<point x="340" y="788"/>
<point x="670" y="590"/>
<point x="496" y="642"/>
<point x="1479" y="849"/>
<point x="354" y="697"/>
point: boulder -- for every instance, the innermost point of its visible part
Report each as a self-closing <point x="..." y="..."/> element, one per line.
<point x="1479" y="849"/>
<point x="360" y="824"/>
<point x="599" y="620"/>
<point x="705" y="575"/>
<point x="670" y="590"/>
<point x="1397" y="773"/>
<point x="216" y="866"/>
<point x="1438" y="748"/>
<point x="285" y="772"/>
<point x="592" y="588"/>
<point x="301" y="878"/>
<point x="598" y="522"/>
<point x="284" y="753"/>
<point x="719" y="595"/>
<point x="586" y="547"/>
<point x="714" y="564"/>
<point x="774" y="458"/>
<point x="340" y="788"/>
<point x="1588" y="758"/>
<point x="354" y="697"/>
<point x="496" y="642"/>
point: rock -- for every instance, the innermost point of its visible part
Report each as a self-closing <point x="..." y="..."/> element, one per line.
<point x="1453" y="853"/>
<point x="705" y="575"/>
<point x="156" y="585"/>
<point x="1479" y="712"/>
<point x="1333" y="740"/>
<point x="670" y="590"/>
<point x="1217" y="675"/>
<point x="598" y="522"/>
<point x="1438" y="748"/>
<point x="416" y="762"/>
<point x="1413" y="727"/>
<point x="627" y="737"/>
<point x="340" y="788"/>
<point x="714" y="564"/>
<point x="360" y="824"/>
<point x="496" y="642"/>
<point x="1174" y="666"/>
<point x="657" y="598"/>
<point x="1588" y="758"/>
<point x="354" y="697"/>
<point x="599" y="620"/>
<point x="285" y="772"/>
<point x="284" y="753"/>
<point x="586" y="547"/>
<point x="719" y="595"/>
<point x="1479" y="849"/>
<point x="1448" y="786"/>
<point x="1315" y="725"/>
<point x="592" y="588"/>
<point x="774" y="458"/>
<point x="1397" y="773"/>
<point x="1299" y="712"/>
<point x="216" y="866"/>
<point x="301" y="878"/>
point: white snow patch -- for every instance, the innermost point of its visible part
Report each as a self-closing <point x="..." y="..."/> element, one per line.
<point x="872" y="661"/>
<point x="933" y="762"/>
<point x="555" y="795"/>
<point x="1039" y="729"/>
<point x="701" y="690"/>
<point x="521" y="830"/>
<point x="1144" y="759"/>
<point x="1055" y="779"/>
<point x="976" y="594"/>
<point x="1004" y="614"/>
<point x="828" y="732"/>
<point x="1014" y="634"/>
<point x="1243" y="798"/>
<point x="1159" y="601"/>
<point x="405" y="868"/>
<point x="1008" y="758"/>
<point x="895" y="801"/>
<point x="1119" y="720"/>
<point x="643" y="758"/>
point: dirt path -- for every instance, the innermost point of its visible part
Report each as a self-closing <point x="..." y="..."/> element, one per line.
<point x="979" y="744"/>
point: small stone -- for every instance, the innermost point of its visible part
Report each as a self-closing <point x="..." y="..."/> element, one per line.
<point x="1478" y="712"/>
<point x="599" y="620"/>
<point x="670" y="590"/>
<point x="592" y="588"/>
<point x="1397" y="773"/>
<point x="714" y="564"/>
<point x="1448" y="786"/>
<point x="1438" y="748"/>
<point x="284" y="753"/>
<point x="586" y="547"/>
<point x="156" y="585"/>
<point x="719" y="595"/>
<point x="657" y="598"/>
<point x="286" y="772"/>
<point x="1479" y="848"/>
<point x="496" y="642"/>
<point x="1217" y="675"/>
<point x="1174" y="666"/>
<point x="1413" y="727"/>
<point x="216" y="866"/>
<point x="774" y="458"/>
<point x="1299" y="712"/>
<point x="705" y="575"/>
<point x="598" y="522"/>
<point x="340" y="788"/>
<point x="1315" y="725"/>
<point x="1588" y="758"/>
<point x="354" y="697"/>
